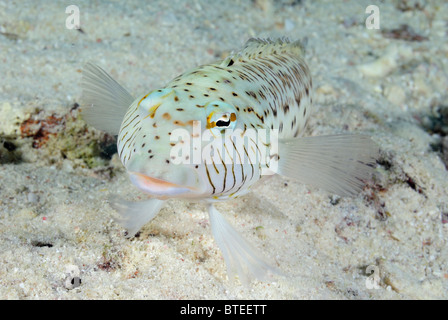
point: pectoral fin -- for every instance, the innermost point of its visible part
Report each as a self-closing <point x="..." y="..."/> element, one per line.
<point x="339" y="164"/>
<point x="104" y="99"/>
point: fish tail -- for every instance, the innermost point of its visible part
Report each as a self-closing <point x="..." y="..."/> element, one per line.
<point x="106" y="101"/>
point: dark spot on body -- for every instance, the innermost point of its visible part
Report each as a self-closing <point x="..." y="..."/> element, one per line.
<point x="296" y="133"/>
<point x="166" y="116"/>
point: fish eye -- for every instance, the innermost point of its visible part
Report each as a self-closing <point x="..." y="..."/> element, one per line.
<point x="221" y="121"/>
<point x="220" y="115"/>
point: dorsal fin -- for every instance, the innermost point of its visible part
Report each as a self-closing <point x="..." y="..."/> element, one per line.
<point x="256" y="47"/>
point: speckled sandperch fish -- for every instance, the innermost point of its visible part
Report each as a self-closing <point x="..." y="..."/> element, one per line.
<point x="266" y="85"/>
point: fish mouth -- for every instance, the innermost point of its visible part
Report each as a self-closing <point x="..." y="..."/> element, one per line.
<point x="159" y="187"/>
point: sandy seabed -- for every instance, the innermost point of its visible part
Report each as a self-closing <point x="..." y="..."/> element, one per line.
<point x="57" y="236"/>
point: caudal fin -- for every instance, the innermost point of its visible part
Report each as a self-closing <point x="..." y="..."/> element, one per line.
<point x="339" y="164"/>
<point x="105" y="100"/>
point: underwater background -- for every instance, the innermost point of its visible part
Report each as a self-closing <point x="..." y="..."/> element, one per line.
<point x="383" y="72"/>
